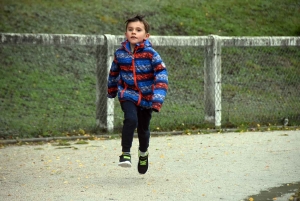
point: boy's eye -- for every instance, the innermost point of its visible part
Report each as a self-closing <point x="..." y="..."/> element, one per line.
<point x="131" y="29"/>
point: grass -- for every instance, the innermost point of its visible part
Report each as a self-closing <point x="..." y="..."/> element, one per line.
<point x="49" y="95"/>
<point x="191" y="17"/>
<point x="263" y="79"/>
<point x="50" y="90"/>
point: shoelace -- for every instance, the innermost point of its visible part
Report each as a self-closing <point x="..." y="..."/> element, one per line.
<point x="143" y="162"/>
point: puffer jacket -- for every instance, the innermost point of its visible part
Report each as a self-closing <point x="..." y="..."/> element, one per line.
<point x="140" y="77"/>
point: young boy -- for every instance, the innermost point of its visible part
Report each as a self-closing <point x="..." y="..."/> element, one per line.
<point x="140" y="79"/>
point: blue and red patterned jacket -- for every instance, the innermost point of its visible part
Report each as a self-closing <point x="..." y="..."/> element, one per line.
<point x="140" y="77"/>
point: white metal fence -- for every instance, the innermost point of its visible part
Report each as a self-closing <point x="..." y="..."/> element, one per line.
<point x="226" y="81"/>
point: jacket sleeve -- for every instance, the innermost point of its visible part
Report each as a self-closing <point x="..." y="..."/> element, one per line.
<point x="113" y="78"/>
<point x="160" y="82"/>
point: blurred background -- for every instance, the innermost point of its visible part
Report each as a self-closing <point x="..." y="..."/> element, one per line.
<point x="167" y="17"/>
<point x="50" y="90"/>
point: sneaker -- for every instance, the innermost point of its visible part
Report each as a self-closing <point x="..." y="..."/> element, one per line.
<point x="143" y="163"/>
<point x="125" y="160"/>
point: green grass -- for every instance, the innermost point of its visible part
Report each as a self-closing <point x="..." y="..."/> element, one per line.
<point x="50" y="90"/>
<point x="261" y="83"/>
<point x="176" y="17"/>
<point x="44" y="95"/>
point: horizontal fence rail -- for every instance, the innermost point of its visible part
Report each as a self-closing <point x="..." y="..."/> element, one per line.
<point x="75" y="39"/>
<point x="260" y="41"/>
<point x="213" y="79"/>
<point x="51" y="39"/>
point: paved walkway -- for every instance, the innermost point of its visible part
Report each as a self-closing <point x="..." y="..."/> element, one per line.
<point x="230" y="166"/>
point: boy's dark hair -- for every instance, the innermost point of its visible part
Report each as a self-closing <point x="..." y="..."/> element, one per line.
<point x="141" y="19"/>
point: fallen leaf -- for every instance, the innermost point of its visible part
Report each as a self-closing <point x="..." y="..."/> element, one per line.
<point x="283" y="135"/>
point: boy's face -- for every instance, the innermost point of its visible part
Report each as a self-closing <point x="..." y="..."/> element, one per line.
<point x="136" y="33"/>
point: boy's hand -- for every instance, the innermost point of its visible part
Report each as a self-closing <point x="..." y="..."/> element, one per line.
<point x="111" y="95"/>
<point x="155" y="110"/>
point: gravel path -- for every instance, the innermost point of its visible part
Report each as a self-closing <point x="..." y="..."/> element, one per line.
<point x="230" y="166"/>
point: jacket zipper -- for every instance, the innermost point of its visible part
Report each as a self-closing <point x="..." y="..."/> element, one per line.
<point x="122" y="92"/>
<point x="134" y="78"/>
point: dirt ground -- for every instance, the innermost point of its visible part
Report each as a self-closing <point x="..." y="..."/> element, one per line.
<point x="229" y="166"/>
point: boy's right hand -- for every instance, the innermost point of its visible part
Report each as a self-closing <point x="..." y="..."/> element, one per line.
<point x="154" y="110"/>
<point x="111" y="95"/>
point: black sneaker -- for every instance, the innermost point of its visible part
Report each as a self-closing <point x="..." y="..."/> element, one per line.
<point x="143" y="163"/>
<point x="125" y="160"/>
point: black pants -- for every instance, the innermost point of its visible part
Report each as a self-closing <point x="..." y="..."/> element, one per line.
<point x="135" y="117"/>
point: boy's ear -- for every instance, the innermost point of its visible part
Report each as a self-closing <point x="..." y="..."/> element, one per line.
<point x="147" y="36"/>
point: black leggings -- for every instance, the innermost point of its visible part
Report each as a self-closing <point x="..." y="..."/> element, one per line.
<point x="135" y="117"/>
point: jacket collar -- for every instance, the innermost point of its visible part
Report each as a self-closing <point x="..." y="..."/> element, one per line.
<point x="145" y="43"/>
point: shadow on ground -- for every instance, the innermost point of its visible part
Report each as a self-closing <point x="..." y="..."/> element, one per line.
<point x="291" y="190"/>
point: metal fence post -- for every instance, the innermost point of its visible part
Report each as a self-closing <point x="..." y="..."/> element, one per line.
<point x="212" y="81"/>
<point x="104" y="105"/>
